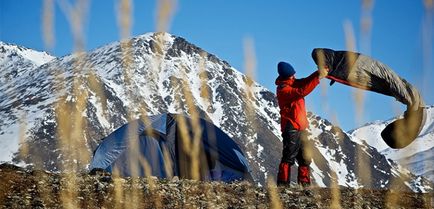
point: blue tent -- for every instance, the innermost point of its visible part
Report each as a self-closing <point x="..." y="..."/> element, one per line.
<point x="159" y="149"/>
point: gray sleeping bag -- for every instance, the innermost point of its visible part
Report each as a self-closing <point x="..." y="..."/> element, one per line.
<point x="360" y="71"/>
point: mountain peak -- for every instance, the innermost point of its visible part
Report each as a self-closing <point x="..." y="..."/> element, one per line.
<point x="12" y="51"/>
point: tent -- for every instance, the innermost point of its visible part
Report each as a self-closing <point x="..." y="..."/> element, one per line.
<point x="161" y="145"/>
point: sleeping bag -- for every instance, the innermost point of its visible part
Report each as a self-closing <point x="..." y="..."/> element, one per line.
<point x="360" y="71"/>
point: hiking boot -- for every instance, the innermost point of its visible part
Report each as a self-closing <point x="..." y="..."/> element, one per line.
<point x="283" y="183"/>
<point x="303" y="177"/>
<point x="284" y="175"/>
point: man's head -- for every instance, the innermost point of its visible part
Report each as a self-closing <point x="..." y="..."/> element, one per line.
<point x="285" y="70"/>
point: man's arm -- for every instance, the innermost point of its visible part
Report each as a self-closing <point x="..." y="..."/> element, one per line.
<point x="306" y="86"/>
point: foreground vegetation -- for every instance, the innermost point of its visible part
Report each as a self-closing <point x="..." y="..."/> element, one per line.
<point x="21" y="188"/>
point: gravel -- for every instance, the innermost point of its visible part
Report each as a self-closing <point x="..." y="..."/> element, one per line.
<point x="20" y="188"/>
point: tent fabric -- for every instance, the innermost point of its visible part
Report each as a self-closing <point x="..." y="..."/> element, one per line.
<point x="360" y="71"/>
<point x="158" y="150"/>
<point x="132" y="137"/>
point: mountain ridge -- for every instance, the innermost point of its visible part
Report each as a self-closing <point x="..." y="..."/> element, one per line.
<point x="162" y="72"/>
<point x="416" y="157"/>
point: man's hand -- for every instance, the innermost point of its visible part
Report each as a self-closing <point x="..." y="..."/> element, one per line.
<point x="323" y="72"/>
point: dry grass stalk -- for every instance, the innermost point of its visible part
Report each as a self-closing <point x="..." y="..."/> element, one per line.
<point x="207" y="101"/>
<point x="191" y="143"/>
<point x="136" y="161"/>
<point x="119" y="196"/>
<point x="76" y="15"/>
<point x="366" y="28"/>
<point x="359" y="99"/>
<point x="165" y="12"/>
<point x="366" y="25"/>
<point x="48" y="24"/>
<point x="391" y="199"/>
<point x="324" y="86"/>
<point x="151" y="182"/>
<point x="427" y="43"/>
<point x="428" y="65"/>
<point x="24" y="147"/>
<point x="125" y="9"/>
<point x="429" y="4"/>
<point x="352" y="76"/>
<point x="275" y="201"/>
<point x="127" y="64"/>
<point x="168" y="164"/>
<point x="133" y="149"/>
<point x="125" y="22"/>
<point x="335" y="202"/>
<point x="203" y="76"/>
<point x="98" y="89"/>
<point x="250" y="66"/>
<point x="124" y="13"/>
<point x="71" y="138"/>
<point x="69" y="113"/>
<point x="248" y="96"/>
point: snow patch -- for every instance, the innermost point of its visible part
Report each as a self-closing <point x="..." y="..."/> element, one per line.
<point x="9" y="142"/>
<point x="317" y="174"/>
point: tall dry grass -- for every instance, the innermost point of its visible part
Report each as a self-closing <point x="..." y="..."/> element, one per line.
<point x="69" y="116"/>
<point x="363" y="167"/>
<point x="427" y="43"/>
<point x="428" y="57"/>
<point x="165" y="12"/>
<point x="71" y="121"/>
<point x="335" y="202"/>
<point x="48" y="24"/>
<point x="250" y="113"/>
<point x="248" y="94"/>
<point x="275" y="201"/>
<point x="366" y="21"/>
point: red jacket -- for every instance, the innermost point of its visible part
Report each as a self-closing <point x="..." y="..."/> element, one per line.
<point x="290" y="96"/>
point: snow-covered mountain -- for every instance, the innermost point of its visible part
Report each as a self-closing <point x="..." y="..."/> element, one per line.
<point x="15" y="63"/>
<point x="418" y="157"/>
<point x="89" y="95"/>
<point x="17" y="59"/>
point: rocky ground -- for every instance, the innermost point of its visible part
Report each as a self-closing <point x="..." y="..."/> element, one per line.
<point x="21" y="188"/>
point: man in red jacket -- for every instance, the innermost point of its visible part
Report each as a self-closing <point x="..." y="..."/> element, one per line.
<point x="290" y="96"/>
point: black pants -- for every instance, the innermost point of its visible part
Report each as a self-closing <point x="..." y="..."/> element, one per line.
<point x="296" y="146"/>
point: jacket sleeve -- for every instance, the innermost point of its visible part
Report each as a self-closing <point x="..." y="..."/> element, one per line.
<point x="304" y="87"/>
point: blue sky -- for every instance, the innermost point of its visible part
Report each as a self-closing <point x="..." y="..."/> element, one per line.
<point x="281" y="30"/>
